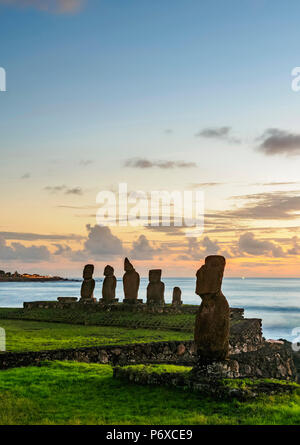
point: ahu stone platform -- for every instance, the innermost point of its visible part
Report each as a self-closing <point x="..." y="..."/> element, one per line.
<point x="71" y="303"/>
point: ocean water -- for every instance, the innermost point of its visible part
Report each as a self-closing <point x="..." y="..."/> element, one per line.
<point x="276" y="301"/>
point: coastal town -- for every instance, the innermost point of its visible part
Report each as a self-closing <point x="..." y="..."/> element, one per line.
<point x="14" y="277"/>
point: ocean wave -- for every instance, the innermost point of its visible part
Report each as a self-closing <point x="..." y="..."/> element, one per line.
<point x="293" y="309"/>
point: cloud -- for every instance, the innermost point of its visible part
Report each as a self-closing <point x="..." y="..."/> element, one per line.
<point x="62" y="249"/>
<point x="206" y="184"/>
<point x="211" y="247"/>
<point x="145" y="163"/>
<point x="295" y="250"/>
<point x="63" y="188"/>
<point x="279" y="142"/>
<point x="276" y="183"/>
<point x="102" y="242"/>
<point x="25" y="236"/>
<point x="19" y="252"/>
<point x="195" y="250"/>
<point x="252" y="246"/>
<point x="167" y="230"/>
<point x="52" y="6"/>
<point x="26" y="176"/>
<point x="87" y="207"/>
<point x="55" y="189"/>
<point x="268" y="206"/>
<point x="221" y="133"/>
<point x="142" y="249"/>
<point x="74" y="191"/>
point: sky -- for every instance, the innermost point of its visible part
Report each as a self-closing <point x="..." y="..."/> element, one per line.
<point x="160" y="95"/>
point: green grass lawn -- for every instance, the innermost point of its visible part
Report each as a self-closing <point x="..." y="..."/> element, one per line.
<point x="179" y="322"/>
<point x="22" y="335"/>
<point x="79" y="393"/>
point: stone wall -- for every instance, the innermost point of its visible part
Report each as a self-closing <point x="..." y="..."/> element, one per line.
<point x="245" y="336"/>
<point x="268" y="360"/>
<point x="295" y="354"/>
<point x="156" y="352"/>
<point x="180" y="352"/>
<point x="205" y="386"/>
<point x="272" y="360"/>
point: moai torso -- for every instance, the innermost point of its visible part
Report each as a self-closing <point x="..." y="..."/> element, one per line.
<point x="155" y="288"/>
<point x="109" y="284"/>
<point x="176" y="296"/>
<point x="88" y="285"/>
<point x="212" y="321"/>
<point x="131" y="281"/>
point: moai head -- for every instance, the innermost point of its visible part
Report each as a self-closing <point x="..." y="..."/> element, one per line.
<point x="176" y="293"/>
<point x="176" y="296"/>
<point x="210" y="275"/>
<point x="88" y="272"/>
<point x="154" y="275"/>
<point x="128" y="267"/>
<point x="108" y="271"/>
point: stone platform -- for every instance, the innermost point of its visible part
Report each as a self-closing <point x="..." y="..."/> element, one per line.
<point x="104" y="302"/>
<point x="72" y="303"/>
<point x="132" y="301"/>
<point x="219" y="388"/>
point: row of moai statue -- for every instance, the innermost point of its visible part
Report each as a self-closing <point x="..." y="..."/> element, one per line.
<point x="212" y="320"/>
<point x="131" y="284"/>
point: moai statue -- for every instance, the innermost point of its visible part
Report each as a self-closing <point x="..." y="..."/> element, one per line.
<point x="176" y="301"/>
<point x="155" y="288"/>
<point x="109" y="286"/>
<point x="88" y="285"/>
<point x="212" y="320"/>
<point x="131" y="283"/>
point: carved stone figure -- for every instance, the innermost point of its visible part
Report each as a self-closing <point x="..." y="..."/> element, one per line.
<point x="155" y="288"/>
<point x="109" y="286"/>
<point x="88" y="284"/>
<point x="176" y="301"/>
<point x="212" y="320"/>
<point x="131" y="283"/>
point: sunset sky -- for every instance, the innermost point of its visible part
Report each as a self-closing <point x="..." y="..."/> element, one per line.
<point x="161" y="95"/>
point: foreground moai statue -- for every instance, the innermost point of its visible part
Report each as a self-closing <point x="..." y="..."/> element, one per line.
<point x="176" y="300"/>
<point x="88" y="285"/>
<point x="212" y="321"/>
<point x="155" y="288"/>
<point x="109" y="286"/>
<point x="131" y="283"/>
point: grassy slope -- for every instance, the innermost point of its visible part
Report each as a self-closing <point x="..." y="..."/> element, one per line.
<point x="24" y="335"/>
<point x="78" y="393"/>
<point x="184" y="322"/>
